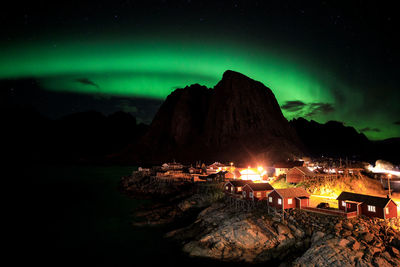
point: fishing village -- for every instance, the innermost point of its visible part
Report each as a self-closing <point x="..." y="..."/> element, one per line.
<point x="255" y="213"/>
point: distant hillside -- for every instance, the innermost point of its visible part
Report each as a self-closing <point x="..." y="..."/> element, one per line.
<point x="330" y="139"/>
<point x="334" y="139"/>
<point x="84" y="136"/>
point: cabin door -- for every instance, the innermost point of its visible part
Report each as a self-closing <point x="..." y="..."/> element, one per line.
<point x="298" y="203"/>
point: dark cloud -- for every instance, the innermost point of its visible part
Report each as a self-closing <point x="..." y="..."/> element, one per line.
<point x="397" y="122"/>
<point x="126" y="106"/>
<point x="319" y="109"/>
<point x="293" y="106"/>
<point x="368" y="129"/>
<point x="87" y="81"/>
<point x="308" y="109"/>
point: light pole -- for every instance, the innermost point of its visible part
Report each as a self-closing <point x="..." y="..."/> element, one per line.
<point x="389" y="176"/>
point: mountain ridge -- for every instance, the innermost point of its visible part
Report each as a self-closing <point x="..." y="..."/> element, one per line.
<point x="239" y="119"/>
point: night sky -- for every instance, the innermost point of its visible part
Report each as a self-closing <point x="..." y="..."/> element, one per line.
<point x="323" y="60"/>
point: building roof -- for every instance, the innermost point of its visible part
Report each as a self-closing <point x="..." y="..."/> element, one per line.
<point x="237" y="173"/>
<point x="305" y="170"/>
<point x="367" y="199"/>
<point x="288" y="164"/>
<point x="261" y="186"/>
<point x="292" y="192"/>
<point x="240" y="182"/>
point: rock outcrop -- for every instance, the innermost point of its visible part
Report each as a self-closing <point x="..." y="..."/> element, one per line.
<point x="173" y="201"/>
<point x="222" y="234"/>
<point x="225" y="234"/>
<point x="219" y="231"/>
<point x="355" y="242"/>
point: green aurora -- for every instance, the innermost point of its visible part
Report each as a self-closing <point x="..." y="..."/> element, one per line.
<point x="152" y="68"/>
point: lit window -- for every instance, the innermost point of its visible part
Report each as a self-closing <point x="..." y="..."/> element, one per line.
<point x="251" y="194"/>
<point x="387" y="210"/>
<point x="232" y="189"/>
<point x="289" y="201"/>
<point x="226" y="187"/>
<point x="270" y="199"/>
<point x="343" y="203"/>
<point x="239" y="188"/>
<point x="258" y="194"/>
<point x="279" y="201"/>
<point x="371" y="208"/>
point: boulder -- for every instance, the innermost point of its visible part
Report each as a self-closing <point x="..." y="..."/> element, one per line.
<point x="395" y="252"/>
<point x="348" y="225"/>
<point x="343" y="242"/>
<point x="381" y="262"/>
<point x="317" y="236"/>
<point x="331" y="252"/>
<point x="282" y="229"/>
<point x="355" y="246"/>
<point x="368" y="237"/>
<point x="346" y="233"/>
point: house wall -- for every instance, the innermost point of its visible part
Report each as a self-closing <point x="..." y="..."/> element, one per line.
<point x="341" y="207"/>
<point x="275" y="196"/>
<point x="363" y="210"/>
<point x="280" y="171"/>
<point x="247" y="190"/>
<point x="294" y="176"/>
<point x="262" y="196"/>
<point x="227" y="188"/>
<point x="392" y="210"/>
<point x="351" y="207"/>
<point x="378" y="213"/>
<point x="301" y="203"/>
<point x="290" y="206"/>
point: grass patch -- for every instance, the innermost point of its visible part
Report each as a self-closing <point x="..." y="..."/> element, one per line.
<point x="281" y="183"/>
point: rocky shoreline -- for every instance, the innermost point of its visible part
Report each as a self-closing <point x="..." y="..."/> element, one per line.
<point x="303" y="239"/>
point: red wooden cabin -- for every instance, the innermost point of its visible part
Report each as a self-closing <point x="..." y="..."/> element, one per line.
<point x="235" y="187"/>
<point x="284" y="166"/>
<point x="299" y="174"/>
<point x="256" y="191"/>
<point x="371" y="206"/>
<point x="288" y="198"/>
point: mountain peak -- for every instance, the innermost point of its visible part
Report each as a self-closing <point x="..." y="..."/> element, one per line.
<point x="238" y="120"/>
<point x="230" y="74"/>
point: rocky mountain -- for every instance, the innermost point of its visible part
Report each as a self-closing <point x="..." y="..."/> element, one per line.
<point x="334" y="139"/>
<point x="238" y="120"/>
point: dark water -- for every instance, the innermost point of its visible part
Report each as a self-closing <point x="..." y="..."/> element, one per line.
<point x="74" y="215"/>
